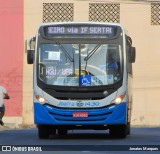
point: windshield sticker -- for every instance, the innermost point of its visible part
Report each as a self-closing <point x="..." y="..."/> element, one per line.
<point x="102" y="79"/>
<point x="53" y="55"/>
<point x="73" y="81"/>
<point x="85" y="80"/>
<point x="50" y="71"/>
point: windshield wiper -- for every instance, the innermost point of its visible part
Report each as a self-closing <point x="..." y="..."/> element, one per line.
<point x="65" y="51"/>
<point x="93" y="51"/>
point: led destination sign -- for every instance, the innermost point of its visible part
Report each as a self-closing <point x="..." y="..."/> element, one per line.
<point x="81" y="30"/>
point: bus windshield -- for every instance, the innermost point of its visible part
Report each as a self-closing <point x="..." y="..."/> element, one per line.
<point x="79" y="64"/>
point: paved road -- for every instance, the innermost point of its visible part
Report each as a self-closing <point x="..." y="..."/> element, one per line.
<point x="85" y="141"/>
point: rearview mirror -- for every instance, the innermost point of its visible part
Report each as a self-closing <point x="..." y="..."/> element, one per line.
<point x="132" y="57"/>
<point x="30" y="56"/>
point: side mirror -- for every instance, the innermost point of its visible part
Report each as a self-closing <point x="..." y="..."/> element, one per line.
<point x="30" y="48"/>
<point x="30" y="56"/>
<point x="132" y="57"/>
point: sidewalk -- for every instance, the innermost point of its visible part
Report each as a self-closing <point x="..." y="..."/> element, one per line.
<point x="8" y="126"/>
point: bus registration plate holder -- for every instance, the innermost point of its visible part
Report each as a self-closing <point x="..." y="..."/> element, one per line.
<point x="80" y="114"/>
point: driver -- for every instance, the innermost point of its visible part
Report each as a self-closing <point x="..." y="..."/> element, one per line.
<point x="111" y="65"/>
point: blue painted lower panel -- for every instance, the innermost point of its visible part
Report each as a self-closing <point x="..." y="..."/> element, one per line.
<point x="45" y="114"/>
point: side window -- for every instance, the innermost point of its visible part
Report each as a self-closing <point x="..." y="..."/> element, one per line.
<point x="129" y="64"/>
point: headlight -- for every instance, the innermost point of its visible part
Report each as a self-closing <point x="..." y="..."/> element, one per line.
<point x="119" y="99"/>
<point x="40" y="99"/>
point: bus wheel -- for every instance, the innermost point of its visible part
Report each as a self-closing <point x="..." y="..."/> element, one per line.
<point x="62" y="131"/>
<point x="43" y="131"/>
<point x="118" y="131"/>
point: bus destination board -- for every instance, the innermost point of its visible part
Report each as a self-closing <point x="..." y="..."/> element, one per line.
<point x="81" y="30"/>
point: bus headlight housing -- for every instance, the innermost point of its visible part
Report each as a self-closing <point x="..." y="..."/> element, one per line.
<point x="40" y="99"/>
<point x="119" y="99"/>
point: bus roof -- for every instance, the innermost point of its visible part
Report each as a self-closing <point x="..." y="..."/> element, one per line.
<point x="101" y="24"/>
<point x="68" y="23"/>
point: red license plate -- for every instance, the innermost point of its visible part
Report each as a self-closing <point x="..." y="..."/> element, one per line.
<point x="80" y="114"/>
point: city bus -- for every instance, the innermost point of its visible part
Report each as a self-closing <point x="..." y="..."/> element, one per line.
<point x="82" y="78"/>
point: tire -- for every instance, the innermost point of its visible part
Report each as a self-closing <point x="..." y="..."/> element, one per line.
<point x="44" y="131"/>
<point x="118" y="131"/>
<point x="62" y="132"/>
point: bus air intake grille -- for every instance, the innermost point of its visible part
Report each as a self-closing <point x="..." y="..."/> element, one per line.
<point x="97" y="115"/>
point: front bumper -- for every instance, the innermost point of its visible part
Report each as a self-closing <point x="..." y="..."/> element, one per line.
<point x="46" y="114"/>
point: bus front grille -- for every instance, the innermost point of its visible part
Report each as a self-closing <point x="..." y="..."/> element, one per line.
<point x="94" y="115"/>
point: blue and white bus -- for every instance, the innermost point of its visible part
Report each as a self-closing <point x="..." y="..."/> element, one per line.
<point x="82" y="78"/>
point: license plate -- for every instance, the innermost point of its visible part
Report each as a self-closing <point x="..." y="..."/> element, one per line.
<point x="80" y="114"/>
